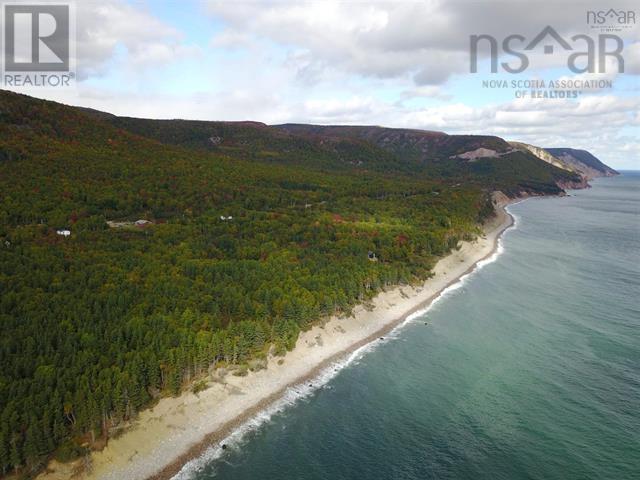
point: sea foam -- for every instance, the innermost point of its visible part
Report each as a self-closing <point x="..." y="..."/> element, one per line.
<point x="295" y="393"/>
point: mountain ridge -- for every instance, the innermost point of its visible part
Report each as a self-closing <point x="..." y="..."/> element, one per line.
<point x="136" y="254"/>
<point x="486" y="159"/>
<point x="433" y="154"/>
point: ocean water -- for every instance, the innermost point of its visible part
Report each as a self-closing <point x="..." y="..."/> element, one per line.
<point x="528" y="369"/>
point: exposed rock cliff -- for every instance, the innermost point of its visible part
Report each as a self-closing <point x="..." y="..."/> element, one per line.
<point x="572" y="160"/>
<point x="543" y="154"/>
<point x="583" y="162"/>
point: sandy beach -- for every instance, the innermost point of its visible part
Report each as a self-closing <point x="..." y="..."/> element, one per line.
<point x="164" y="438"/>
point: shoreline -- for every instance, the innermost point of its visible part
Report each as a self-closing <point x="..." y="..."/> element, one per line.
<point x="178" y="430"/>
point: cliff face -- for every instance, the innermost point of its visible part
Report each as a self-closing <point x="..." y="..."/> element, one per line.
<point x="544" y="155"/>
<point x="582" y="162"/>
<point x="574" y="185"/>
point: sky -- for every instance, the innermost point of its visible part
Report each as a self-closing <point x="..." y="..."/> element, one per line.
<point x="393" y="63"/>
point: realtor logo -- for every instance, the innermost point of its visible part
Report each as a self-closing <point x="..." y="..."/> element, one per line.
<point x="38" y="44"/>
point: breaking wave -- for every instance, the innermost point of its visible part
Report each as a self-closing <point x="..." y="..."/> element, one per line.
<point x="295" y="393"/>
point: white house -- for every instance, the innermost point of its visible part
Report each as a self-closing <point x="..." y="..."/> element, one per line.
<point x="64" y="233"/>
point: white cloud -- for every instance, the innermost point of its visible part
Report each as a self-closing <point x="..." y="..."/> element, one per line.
<point x="632" y="59"/>
<point x="338" y="111"/>
<point x="105" y="26"/>
<point x="424" y="91"/>
<point x="428" y="40"/>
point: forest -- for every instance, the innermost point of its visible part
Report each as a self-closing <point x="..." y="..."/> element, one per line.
<point x="235" y="251"/>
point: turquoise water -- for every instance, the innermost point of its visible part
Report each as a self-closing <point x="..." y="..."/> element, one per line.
<point x="529" y="370"/>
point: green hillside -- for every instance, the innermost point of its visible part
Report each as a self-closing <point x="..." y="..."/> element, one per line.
<point x="248" y="239"/>
<point x="96" y="325"/>
<point x="363" y="148"/>
<point x="436" y="155"/>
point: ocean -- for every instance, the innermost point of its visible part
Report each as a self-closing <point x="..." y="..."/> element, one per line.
<point x="529" y="368"/>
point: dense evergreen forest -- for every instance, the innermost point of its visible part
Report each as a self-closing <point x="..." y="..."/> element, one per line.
<point x="249" y="235"/>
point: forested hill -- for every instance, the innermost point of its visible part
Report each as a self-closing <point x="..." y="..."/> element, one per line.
<point x="488" y="162"/>
<point x="136" y="254"/>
